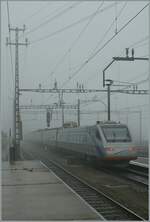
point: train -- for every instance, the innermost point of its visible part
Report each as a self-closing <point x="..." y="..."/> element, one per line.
<point x="107" y="142"/>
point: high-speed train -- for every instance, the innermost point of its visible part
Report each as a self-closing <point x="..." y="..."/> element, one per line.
<point x="107" y="142"/>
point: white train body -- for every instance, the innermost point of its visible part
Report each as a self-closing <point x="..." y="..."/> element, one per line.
<point x="105" y="141"/>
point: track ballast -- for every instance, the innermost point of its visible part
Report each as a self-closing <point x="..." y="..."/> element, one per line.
<point x="106" y="206"/>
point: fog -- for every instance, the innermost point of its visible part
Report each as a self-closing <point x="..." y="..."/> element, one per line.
<point x="39" y="63"/>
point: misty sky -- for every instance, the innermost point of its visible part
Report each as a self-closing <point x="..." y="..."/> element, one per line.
<point x="52" y="31"/>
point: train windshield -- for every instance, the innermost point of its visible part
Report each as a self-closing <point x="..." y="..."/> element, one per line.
<point x="116" y="133"/>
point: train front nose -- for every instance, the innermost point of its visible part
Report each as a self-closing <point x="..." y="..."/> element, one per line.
<point x="121" y="151"/>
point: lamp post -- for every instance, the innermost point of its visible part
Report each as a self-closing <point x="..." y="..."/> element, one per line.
<point x="109" y="82"/>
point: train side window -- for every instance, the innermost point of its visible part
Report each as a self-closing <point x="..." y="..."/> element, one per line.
<point x="98" y="135"/>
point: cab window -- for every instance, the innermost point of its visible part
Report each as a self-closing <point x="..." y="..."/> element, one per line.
<point x="98" y="135"/>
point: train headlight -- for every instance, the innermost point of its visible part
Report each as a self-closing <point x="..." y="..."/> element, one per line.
<point x="109" y="149"/>
<point x="132" y="149"/>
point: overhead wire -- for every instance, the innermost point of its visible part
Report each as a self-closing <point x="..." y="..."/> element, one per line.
<point x="129" y="83"/>
<point x="25" y="61"/>
<point x="133" y="44"/>
<point x="54" y="11"/>
<point x="76" y="40"/>
<point x="135" y="106"/>
<point x="44" y="17"/>
<point x="109" y="28"/>
<point x="70" y="25"/>
<point x="53" y="18"/>
<point x="142" y="81"/>
<point x="131" y="79"/>
<point x="10" y="48"/>
<point x="84" y="28"/>
<point x="35" y="13"/>
<point x="134" y="78"/>
<point x="82" y="31"/>
<point x="106" y="32"/>
<point x="108" y="41"/>
<point x="143" y="39"/>
<point x="122" y="28"/>
<point x="116" y="17"/>
<point x="138" y="75"/>
<point x="139" y="41"/>
<point x="104" y="45"/>
<point x="139" y="46"/>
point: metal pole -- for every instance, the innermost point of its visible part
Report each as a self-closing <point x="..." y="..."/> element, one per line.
<point x="108" y="99"/>
<point x="149" y="74"/>
<point x="78" y="112"/>
<point x="17" y="113"/>
<point x="0" y="80"/>
<point x="62" y="105"/>
<point x="127" y="116"/>
<point x="105" y="70"/>
<point x="9" y="141"/>
<point x="140" y="116"/>
<point x="17" y="117"/>
<point x="62" y="115"/>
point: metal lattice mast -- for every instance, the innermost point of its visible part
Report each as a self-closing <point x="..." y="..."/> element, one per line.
<point x="60" y="91"/>
<point x="17" y="114"/>
<point x="16" y="105"/>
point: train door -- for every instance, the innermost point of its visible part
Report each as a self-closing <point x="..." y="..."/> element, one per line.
<point x="98" y="148"/>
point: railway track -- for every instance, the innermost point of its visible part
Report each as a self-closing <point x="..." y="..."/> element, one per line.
<point x="137" y="176"/>
<point x="139" y="170"/>
<point x="106" y="206"/>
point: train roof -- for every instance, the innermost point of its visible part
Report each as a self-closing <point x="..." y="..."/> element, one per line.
<point x="110" y="123"/>
<point x="101" y="123"/>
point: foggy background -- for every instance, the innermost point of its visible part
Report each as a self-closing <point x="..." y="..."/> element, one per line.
<point x="56" y="52"/>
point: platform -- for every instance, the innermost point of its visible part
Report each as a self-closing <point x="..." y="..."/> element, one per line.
<point x="141" y="161"/>
<point x="31" y="192"/>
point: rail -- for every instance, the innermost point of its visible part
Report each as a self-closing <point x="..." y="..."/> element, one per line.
<point x="102" y="203"/>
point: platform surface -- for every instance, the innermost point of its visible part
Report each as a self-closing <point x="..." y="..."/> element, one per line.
<point x="31" y="192"/>
<point x="141" y="161"/>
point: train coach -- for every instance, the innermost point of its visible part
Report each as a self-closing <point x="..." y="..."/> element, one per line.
<point x="106" y="142"/>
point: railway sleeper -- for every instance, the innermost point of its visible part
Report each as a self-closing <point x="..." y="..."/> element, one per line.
<point x="94" y="196"/>
<point x="81" y="189"/>
<point x="115" y="217"/>
<point x="91" y="195"/>
<point x="105" y="207"/>
<point x="78" y="186"/>
<point x="100" y="200"/>
<point x="98" y="203"/>
<point x="107" y="210"/>
<point x="113" y="214"/>
<point x="103" y="203"/>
